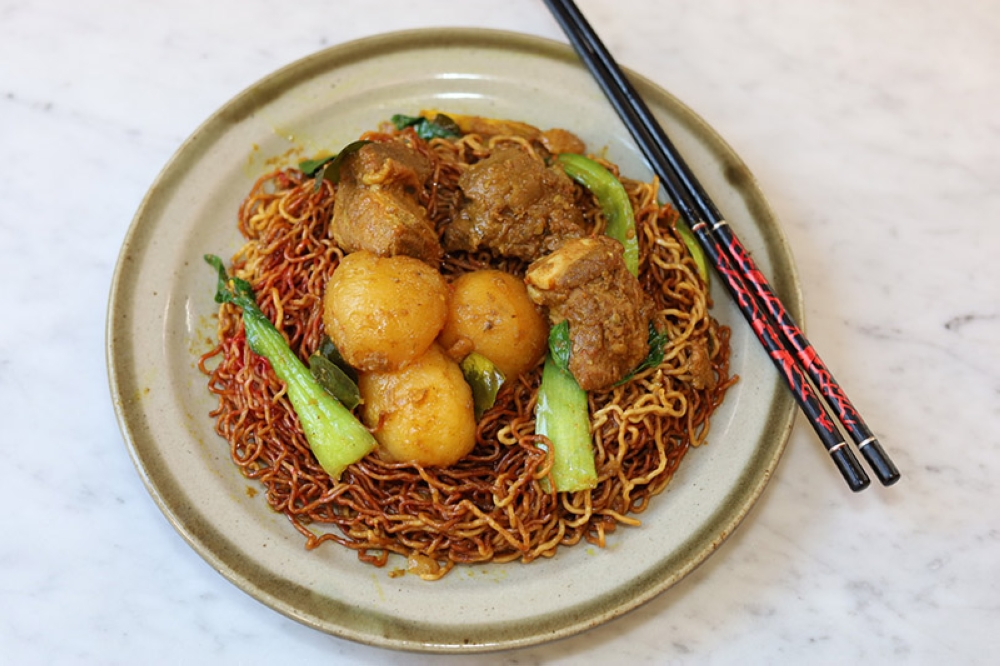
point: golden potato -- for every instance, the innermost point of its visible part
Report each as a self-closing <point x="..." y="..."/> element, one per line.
<point x="383" y="312"/>
<point x="422" y="413"/>
<point x="491" y="309"/>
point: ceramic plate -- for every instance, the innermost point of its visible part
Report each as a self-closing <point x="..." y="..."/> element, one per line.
<point x="160" y="321"/>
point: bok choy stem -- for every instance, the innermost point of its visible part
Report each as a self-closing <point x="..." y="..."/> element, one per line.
<point x="612" y="198"/>
<point x="336" y="437"/>
<point x="562" y="415"/>
<point x="562" y="412"/>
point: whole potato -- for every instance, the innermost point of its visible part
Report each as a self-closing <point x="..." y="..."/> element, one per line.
<point x="383" y="312"/>
<point x="422" y="413"/>
<point x="491" y="309"/>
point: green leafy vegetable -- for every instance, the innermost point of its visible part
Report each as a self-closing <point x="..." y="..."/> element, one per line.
<point x="328" y="168"/>
<point x="485" y="380"/>
<point x="329" y="350"/>
<point x="310" y="167"/>
<point x="560" y="344"/>
<point x="612" y="198"/>
<point x="336" y="437"/>
<point x="694" y="247"/>
<point x="657" y="350"/>
<point x="562" y="415"/>
<point x="336" y="382"/>
<point x="562" y="412"/>
<point x="614" y="201"/>
<point x="441" y="126"/>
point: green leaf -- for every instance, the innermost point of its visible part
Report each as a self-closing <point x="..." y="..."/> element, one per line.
<point x="329" y="350"/>
<point x="334" y="380"/>
<point x="232" y="289"/>
<point x="336" y="437"/>
<point x="402" y="121"/>
<point x="561" y="345"/>
<point x="328" y="168"/>
<point x="485" y="380"/>
<point x="310" y="167"/>
<point x="440" y="127"/>
<point x="657" y="350"/>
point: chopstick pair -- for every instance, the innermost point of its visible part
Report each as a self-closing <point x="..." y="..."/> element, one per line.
<point x="792" y="354"/>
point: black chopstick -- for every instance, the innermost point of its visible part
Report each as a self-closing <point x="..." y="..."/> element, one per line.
<point x="625" y="102"/>
<point x="791" y="335"/>
<point x="746" y="283"/>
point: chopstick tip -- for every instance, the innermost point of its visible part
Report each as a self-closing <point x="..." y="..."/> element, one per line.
<point x="856" y="478"/>
<point x="880" y="463"/>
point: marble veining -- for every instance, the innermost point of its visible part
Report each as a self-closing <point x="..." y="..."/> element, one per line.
<point x="872" y="129"/>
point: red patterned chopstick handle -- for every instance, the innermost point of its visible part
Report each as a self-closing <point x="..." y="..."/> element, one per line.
<point x="786" y="364"/>
<point x="827" y="386"/>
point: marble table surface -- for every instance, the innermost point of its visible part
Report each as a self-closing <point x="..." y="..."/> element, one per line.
<point x="872" y="128"/>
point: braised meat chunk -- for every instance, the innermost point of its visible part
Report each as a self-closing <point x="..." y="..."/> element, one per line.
<point x="514" y="206"/>
<point x="378" y="207"/>
<point x="558" y="141"/>
<point x="700" y="366"/>
<point x="586" y="282"/>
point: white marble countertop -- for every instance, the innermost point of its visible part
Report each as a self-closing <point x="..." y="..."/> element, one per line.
<point x="872" y="128"/>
